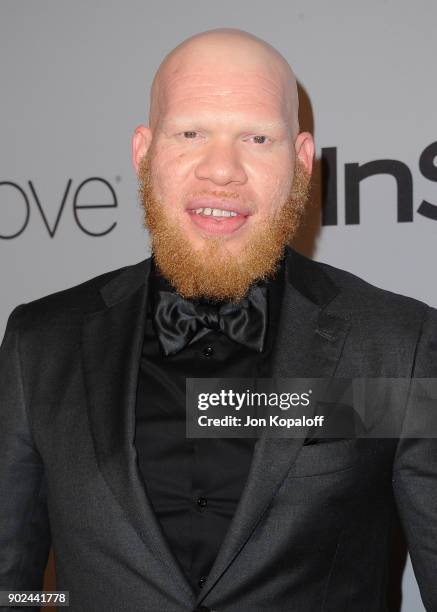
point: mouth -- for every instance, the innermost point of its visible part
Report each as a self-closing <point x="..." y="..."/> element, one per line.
<point x="217" y="217"/>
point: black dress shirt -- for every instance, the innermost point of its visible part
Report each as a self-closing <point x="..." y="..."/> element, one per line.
<point x="194" y="485"/>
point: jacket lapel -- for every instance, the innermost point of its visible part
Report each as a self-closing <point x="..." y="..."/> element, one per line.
<point x="308" y="345"/>
<point x="112" y="343"/>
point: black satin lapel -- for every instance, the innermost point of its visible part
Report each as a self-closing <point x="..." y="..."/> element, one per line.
<point x="112" y="343"/>
<point x="309" y="344"/>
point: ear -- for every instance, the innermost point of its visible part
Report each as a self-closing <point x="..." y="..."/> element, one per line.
<point x="141" y="142"/>
<point x="304" y="147"/>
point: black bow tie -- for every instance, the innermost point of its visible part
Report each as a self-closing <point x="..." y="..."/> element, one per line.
<point x="179" y="322"/>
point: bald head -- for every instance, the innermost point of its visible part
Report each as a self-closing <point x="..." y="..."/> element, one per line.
<point x="222" y="164"/>
<point x="221" y="57"/>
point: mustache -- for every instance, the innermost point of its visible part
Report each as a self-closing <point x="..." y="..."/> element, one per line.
<point x="228" y="195"/>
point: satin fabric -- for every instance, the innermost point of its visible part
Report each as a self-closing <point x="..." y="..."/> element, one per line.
<point x="179" y="322"/>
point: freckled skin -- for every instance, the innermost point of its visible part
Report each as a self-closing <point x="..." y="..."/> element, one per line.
<point x="223" y="121"/>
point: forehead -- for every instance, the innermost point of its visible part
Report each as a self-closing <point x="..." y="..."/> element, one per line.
<point x="210" y="93"/>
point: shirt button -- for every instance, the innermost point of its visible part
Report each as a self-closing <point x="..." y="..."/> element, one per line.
<point x="208" y="351"/>
<point x="202" y="502"/>
<point x="202" y="581"/>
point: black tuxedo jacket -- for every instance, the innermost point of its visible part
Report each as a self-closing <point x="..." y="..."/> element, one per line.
<point x="311" y="530"/>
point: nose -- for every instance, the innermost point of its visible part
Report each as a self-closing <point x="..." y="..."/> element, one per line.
<point x="221" y="165"/>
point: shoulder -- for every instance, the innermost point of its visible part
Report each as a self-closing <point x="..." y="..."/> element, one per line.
<point x="352" y="294"/>
<point x="74" y="302"/>
<point x="388" y="334"/>
<point x="361" y="298"/>
<point x="373" y="313"/>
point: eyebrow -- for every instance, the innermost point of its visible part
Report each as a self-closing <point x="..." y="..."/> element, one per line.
<point x="253" y="126"/>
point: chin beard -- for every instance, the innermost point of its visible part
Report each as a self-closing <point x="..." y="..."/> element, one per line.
<point x="212" y="272"/>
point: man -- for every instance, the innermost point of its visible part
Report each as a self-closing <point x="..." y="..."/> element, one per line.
<point x="93" y="453"/>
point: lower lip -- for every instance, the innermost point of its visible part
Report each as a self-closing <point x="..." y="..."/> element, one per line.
<point x="217" y="226"/>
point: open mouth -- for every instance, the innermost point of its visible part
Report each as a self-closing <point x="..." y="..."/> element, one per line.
<point x="217" y="218"/>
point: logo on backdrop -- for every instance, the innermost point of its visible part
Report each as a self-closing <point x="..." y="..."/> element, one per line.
<point x="28" y="204"/>
<point x="355" y="173"/>
<point x="89" y="201"/>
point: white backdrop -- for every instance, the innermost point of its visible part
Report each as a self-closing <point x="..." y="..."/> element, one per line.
<point x="74" y="83"/>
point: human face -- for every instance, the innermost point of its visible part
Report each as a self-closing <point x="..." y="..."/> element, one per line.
<point x="222" y="143"/>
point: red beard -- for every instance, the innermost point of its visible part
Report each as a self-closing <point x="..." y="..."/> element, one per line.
<point x="213" y="272"/>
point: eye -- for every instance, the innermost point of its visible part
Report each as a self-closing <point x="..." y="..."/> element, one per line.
<point x="260" y="139"/>
<point x="189" y="134"/>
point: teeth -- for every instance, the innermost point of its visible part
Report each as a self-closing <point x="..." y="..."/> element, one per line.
<point x="215" y="212"/>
